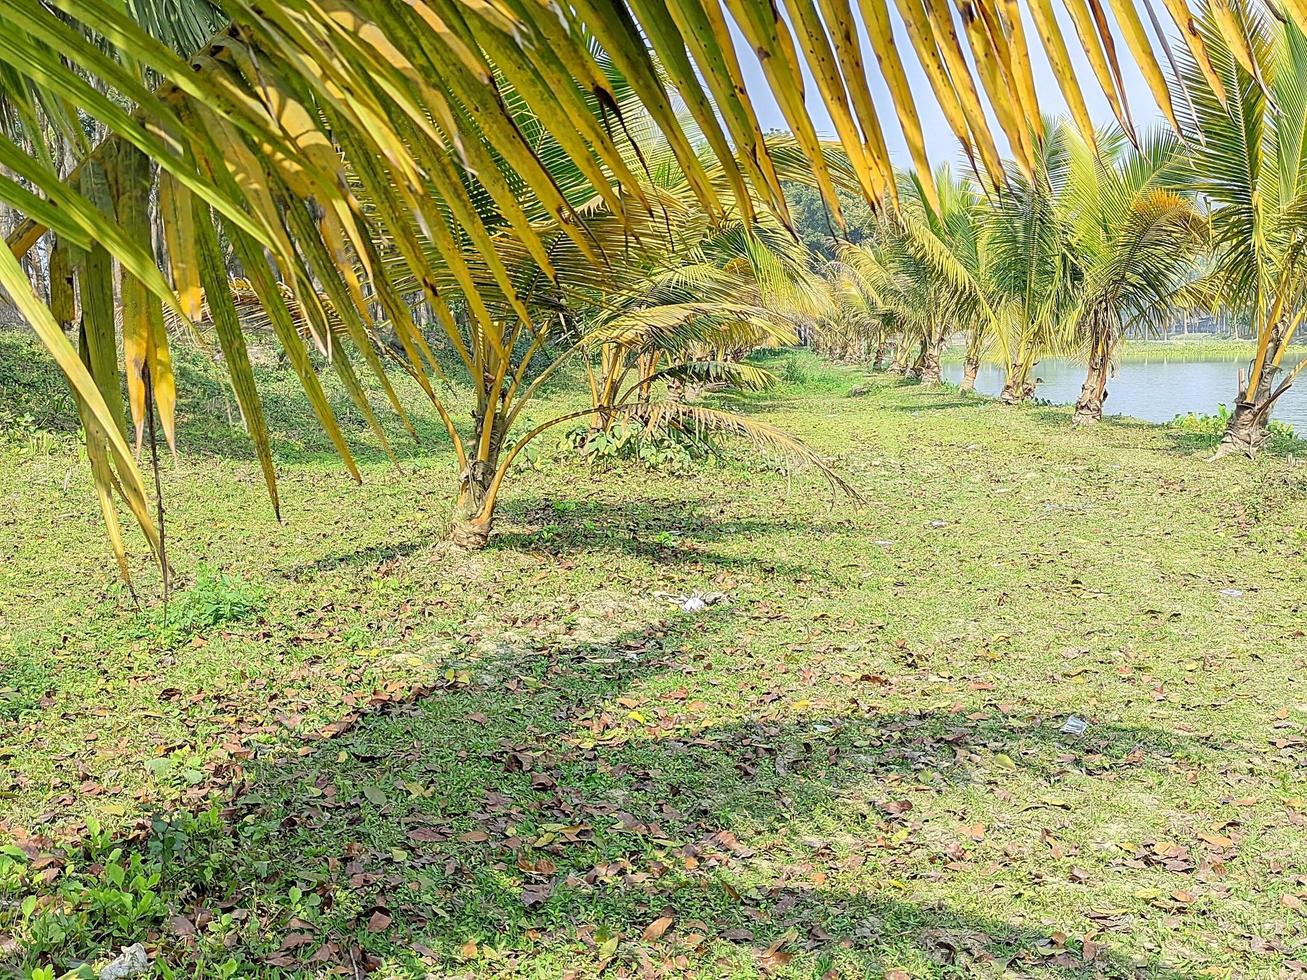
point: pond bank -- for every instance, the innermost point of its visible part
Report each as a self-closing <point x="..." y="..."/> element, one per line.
<point x="1155" y="383"/>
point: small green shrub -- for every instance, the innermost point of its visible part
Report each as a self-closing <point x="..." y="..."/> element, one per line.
<point x="1209" y="429"/>
<point x="214" y="599"/>
<point x="795" y="373"/>
<point x="22" y="682"/>
<point x="108" y="896"/>
<point x="664" y="449"/>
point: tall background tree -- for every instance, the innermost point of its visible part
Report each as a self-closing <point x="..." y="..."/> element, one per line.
<point x="1250" y="168"/>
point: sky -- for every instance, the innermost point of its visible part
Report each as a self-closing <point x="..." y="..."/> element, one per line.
<point x="941" y="145"/>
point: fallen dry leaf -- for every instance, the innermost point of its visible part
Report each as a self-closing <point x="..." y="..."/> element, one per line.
<point x="655" y="929"/>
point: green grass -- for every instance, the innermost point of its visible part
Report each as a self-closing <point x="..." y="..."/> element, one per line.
<point x="1194" y="347"/>
<point x="346" y="747"/>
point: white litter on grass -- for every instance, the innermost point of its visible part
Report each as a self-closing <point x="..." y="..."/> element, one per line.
<point x="696" y="601"/>
<point x="1074" y="726"/>
<point x="1232" y="593"/>
<point x="131" y="962"/>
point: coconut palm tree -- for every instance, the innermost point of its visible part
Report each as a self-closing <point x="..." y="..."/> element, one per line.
<point x="499" y="197"/>
<point x="923" y="266"/>
<point x="1134" y="242"/>
<point x="1030" y="272"/>
<point x="713" y="300"/>
<point x="1251" y="171"/>
<point x="852" y="323"/>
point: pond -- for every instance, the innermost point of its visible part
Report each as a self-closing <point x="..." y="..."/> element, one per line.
<point x="1157" y="389"/>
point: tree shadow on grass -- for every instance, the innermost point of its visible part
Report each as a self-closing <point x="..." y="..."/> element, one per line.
<point x="660" y="532"/>
<point x="938" y="404"/>
<point x="543" y="808"/>
<point x="663" y="532"/>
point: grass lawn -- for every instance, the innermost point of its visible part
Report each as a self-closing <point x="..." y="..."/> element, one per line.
<point x="1191" y="347"/>
<point x="347" y="749"/>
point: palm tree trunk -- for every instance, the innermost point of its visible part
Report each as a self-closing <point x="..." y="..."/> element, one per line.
<point x="970" y="368"/>
<point x="1013" y="386"/>
<point x="900" y="364"/>
<point x="919" y="364"/>
<point x="1249" y="425"/>
<point x="474" y="511"/>
<point x="930" y="367"/>
<point x="878" y="361"/>
<point x="1017" y="387"/>
<point x="1089" y="406"/>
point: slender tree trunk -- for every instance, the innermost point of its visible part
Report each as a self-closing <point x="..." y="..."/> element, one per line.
<point x="919" y="364"/>
<point x="1017" y="386"/>
<point x="900" y="364"/>
<point x="1089" y="406"/>
<point x="930" y="367"/>
<point x="1247" y="430"/>
<point x="970" y="368"/>
<point x="474" y="510"/>
<point x="878" y="361"/>
<point x="1249" y="425"/>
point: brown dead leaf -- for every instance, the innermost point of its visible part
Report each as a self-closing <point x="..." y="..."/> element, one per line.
<point x="536" y="895"/>
<point x="426" y="835"/>
<point x="655" y="929"/>
<point x="775" y="959"/>
<point x="328" y="952"/>
<point x="379" y="921"/>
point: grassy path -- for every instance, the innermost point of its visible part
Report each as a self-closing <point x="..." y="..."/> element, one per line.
<point x="531" y="763"/>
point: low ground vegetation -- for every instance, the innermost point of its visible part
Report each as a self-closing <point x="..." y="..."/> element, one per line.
<point x="345" y="748"/>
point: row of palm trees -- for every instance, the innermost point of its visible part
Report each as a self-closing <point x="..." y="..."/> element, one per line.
<point x="1098" y="243"/>
<point x="1091" y="239"/>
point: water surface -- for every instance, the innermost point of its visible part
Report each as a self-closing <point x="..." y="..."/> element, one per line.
<point x="1156" y="390"/>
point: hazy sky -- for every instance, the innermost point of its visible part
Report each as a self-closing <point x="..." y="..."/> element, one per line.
<point x="941" y="145"/>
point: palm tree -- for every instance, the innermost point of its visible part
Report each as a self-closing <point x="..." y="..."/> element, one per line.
<point x="1134" y="242"/>
<point x="719" y="294"/>
<point x="1030" y="273"/>
<point x="923" y="266"/>
<point x="852" y="324"/>
<point x="500" y="197"/>
<point x="1251" y="172"/>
